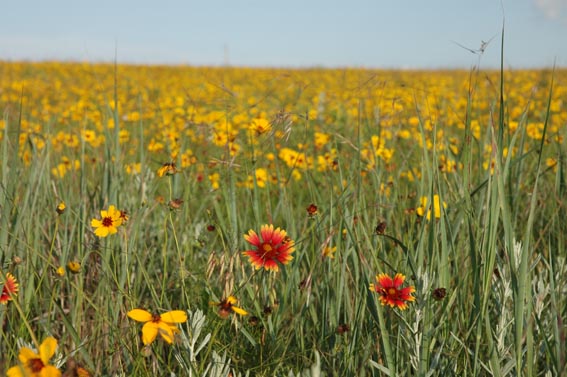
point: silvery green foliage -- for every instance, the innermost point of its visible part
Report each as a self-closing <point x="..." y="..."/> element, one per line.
<point x="219" y="366"/>
<point x="194" y="343"/>
<point x="191" y="344"/>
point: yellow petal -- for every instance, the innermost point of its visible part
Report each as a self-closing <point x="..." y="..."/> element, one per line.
<point x="239" y="311"/>
<point x="50" y="371"/>
<point x="47" y="349"/>
<point x="17" y="371"/>
<point x="96" y="223"/>
<point x="174" y="316"/>
<point x="140" y="315"/>
<point x="167" y="332"/>
<point x="149" y="332"/>
<point x="27" y="354"/>
<point x="101" y="232"/>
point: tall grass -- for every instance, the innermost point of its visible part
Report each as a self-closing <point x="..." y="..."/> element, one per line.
<point x="489" y="272"/>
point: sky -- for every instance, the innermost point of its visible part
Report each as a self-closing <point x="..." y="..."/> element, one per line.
<point x="401" y="34"/>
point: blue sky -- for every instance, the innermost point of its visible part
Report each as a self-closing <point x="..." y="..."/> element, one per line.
<point x="292" y="33"/>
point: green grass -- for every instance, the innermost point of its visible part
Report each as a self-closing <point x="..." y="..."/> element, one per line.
<point x="498" y="250"/>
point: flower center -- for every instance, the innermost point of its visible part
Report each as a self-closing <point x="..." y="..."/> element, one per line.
<point x="266" y="248"/>
<point x="107" y="221"/>
<point x="36" y="365"/>
<point x="156" y="318"/>
<point x="391" y="291"/>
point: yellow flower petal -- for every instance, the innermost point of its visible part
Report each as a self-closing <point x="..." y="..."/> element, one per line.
<point x="140" y="315"/>
<point x="47" y="349"/>
<point x="27" y="354"/>
<point x="50" y="371"/>
<point x="167" y="332"/>
<point x="17" y="371"/>
<point x="174" y="316"/>
<point x="239" y="311"/>
<point x="149" y="332"/>
<point x="102" y="231"/>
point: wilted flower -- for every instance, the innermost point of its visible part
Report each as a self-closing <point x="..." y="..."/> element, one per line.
<point x="36" y="365"/>
<point x="273" y="248"/>
<point x="343" y="328"/>
<point x="390" y="293"/>
<point x="312" y="210"/>
<point x="380" y="228"/>
<point x="162" y="324"/>
<point x="175" y="204"/>
<point x="439" y="294"/>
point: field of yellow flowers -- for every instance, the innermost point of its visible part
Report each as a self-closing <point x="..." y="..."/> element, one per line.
<point x="208" y="221"/>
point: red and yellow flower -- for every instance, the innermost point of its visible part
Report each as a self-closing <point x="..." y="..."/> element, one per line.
<point x="272" y="248"/>
<point x="390" y="291"/>
<point x="226" y="307"/>
<point x="162" y="324"/>
<point x="9" y="289"/>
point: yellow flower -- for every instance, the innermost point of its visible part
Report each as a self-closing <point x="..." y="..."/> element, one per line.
<point x="34" y="365"/>
<point x="436" y="207"/>
<point x="162" y="324"/>
<point x="168" y="168"/>
<point x="260" y="125"/>
<point x="111" y="219"/>
<point x="60" y="208"/>
<point x="60" y="271"/>
<point x="74" y="267"/>
<point x="329" y="252"/>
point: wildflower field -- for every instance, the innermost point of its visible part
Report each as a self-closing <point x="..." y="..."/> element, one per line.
<point x="200" y="221"/>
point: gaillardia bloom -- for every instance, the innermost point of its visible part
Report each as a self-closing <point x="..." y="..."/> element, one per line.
<point x="9" y="289"/>
<point x="109" y="223"/>
<point x="390" y="292"/>
<point x="226" y="307"/>
<point x="164" y="324"/>
<point x="34" y="365"/>
<point x="272" y="248"/>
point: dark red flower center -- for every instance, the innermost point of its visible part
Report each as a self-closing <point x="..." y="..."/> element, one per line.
<point x="266" y="249"/>
<point x="107" y="221"/>
<point x="36" y="365"/>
